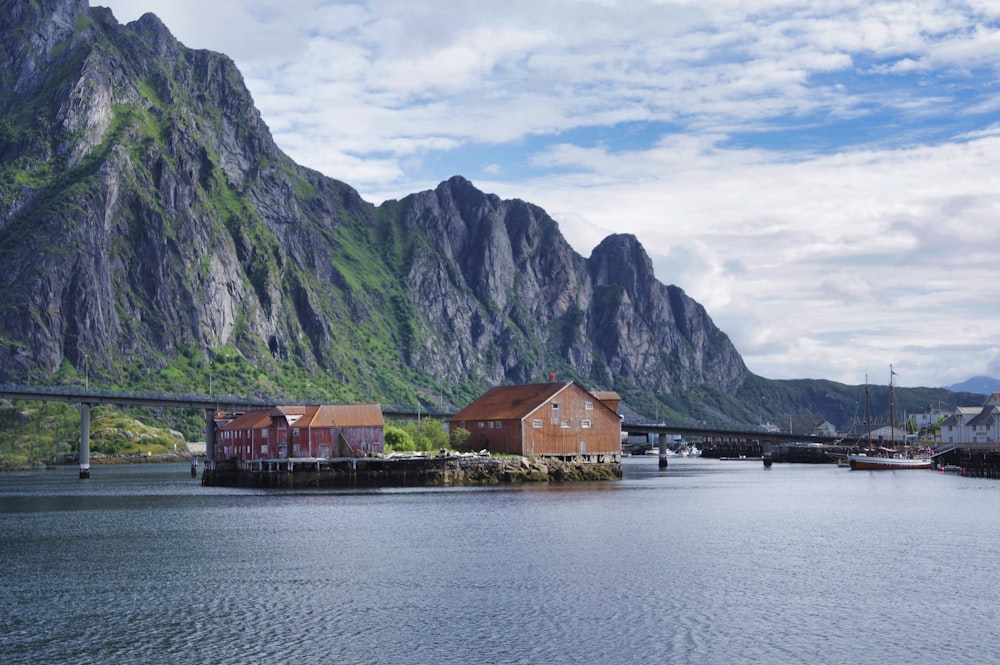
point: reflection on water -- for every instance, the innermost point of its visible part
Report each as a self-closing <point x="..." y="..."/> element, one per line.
<point x="704" y="562"/>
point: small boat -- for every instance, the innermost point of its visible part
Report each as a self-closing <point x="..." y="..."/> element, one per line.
<point x="840" y="458"/>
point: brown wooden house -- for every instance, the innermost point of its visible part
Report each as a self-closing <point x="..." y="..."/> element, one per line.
<point x="316" y="431"/>
<point x="558" y="419"/>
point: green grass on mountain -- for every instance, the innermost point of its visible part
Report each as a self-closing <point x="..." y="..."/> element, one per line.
<point x="38" y="433"/>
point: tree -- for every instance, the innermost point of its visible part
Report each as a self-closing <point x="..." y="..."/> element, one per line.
<point x="433" y="434"/>
<point x="398" y="439"/>
<point x="459" y="438"/>
<point x="428" y="434"/>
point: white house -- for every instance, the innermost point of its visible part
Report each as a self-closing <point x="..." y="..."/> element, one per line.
<point x="927" y="418"/>
<point x="973" y="424"/>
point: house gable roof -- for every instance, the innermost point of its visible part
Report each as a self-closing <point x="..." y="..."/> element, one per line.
<point x="510" y="402"/>
<point x="986" y="417"/>
<point x="343" y="415"/>
<point x="314" y="415"/>
<point x="249" y="420"/>
<point x="517" y="402"/>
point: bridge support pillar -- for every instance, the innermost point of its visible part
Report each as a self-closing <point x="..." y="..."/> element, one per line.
<point x="662" y="444"/>
<point x="84" y="441"/>
<point x="209" y="437"/>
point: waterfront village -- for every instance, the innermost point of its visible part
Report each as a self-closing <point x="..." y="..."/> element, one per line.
<point x="546" y="431"/>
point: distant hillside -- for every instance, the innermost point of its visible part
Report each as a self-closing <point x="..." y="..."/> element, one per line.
<point x="983" y="385"/>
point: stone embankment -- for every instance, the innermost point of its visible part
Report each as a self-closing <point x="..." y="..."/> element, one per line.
<point x="444" y="471"/>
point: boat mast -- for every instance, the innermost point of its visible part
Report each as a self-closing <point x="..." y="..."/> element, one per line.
<point x="868" y="412"/>
<point x="892" y="408"/>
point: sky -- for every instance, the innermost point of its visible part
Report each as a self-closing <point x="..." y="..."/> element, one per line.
<point x="824" y="177"/>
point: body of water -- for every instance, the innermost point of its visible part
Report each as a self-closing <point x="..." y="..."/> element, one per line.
<point x="707" y="562"/>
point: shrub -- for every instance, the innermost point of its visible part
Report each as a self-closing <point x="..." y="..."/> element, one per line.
<point x="399" y="440"/>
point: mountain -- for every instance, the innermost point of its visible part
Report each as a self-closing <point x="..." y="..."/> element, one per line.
<point x="154" y="237"/>
<point x="150" y="226"/>
<point x="982" y="385"/>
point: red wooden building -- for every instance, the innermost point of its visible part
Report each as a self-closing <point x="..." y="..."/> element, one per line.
<point x="317" y="431"/>
<point x="559" y="419"/>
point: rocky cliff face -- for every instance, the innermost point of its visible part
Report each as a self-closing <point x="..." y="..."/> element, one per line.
<point x="149" y="226"/>
<point x="500" y="270"/>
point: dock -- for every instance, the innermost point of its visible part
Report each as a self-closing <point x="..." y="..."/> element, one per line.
<point x="796" y="452"/>
<point x="414" y="471"/>
<point x="976" y="461"/>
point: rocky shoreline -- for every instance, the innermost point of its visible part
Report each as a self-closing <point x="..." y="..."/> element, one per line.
<point x="444" y="471"/>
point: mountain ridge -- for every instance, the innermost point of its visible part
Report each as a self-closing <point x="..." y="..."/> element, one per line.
<point x="153" y="235"/>
<point x="980" y="385"/>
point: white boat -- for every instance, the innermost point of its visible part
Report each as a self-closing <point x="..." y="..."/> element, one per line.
<point x="888" y="459"/>
<point x="865" y="463"/>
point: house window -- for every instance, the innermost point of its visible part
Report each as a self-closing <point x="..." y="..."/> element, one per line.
<point x="589" y="406"/>
<point x="585" y="424"/>
<point x="537" y="424"/>
<point x="295" y="432"/>
<point x="263" y="449"/>
<point x="498" y="424"/>
<point x="490" y="425"/>
<point x="462" y="424"/>
<point x="564" y="424"/>
<point x="481" y="424"/>
<point x="266" y="433"/>
<point x="555" y="406"/>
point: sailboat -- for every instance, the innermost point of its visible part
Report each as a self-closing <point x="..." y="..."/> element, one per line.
<point x="887" y="459"/>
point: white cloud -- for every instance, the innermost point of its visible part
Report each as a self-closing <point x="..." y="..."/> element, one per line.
<point x="897" y="241"/>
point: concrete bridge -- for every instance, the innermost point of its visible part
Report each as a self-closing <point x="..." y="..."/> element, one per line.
<point x="663" y="429"/>
<point x="722" y="441"/>
<point x="87" y="398"/>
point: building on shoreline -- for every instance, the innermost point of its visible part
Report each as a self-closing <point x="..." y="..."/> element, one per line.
<point x="316" y="431"/>
<point x="556" y="419"/>
<point x="973" y="424"/>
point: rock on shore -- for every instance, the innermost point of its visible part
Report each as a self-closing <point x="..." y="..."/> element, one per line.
<point x="445" y="471"/>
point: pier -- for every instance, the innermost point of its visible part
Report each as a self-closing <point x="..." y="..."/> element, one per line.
<point x="977" y="460"/>
<point x="410" y="471"/>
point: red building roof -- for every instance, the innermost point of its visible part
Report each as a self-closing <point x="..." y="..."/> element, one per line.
<point x="510" y="402"/>
<point x="250" y="420"/>
<point x="314" y="415"/>
<point x="343" y="415"/>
